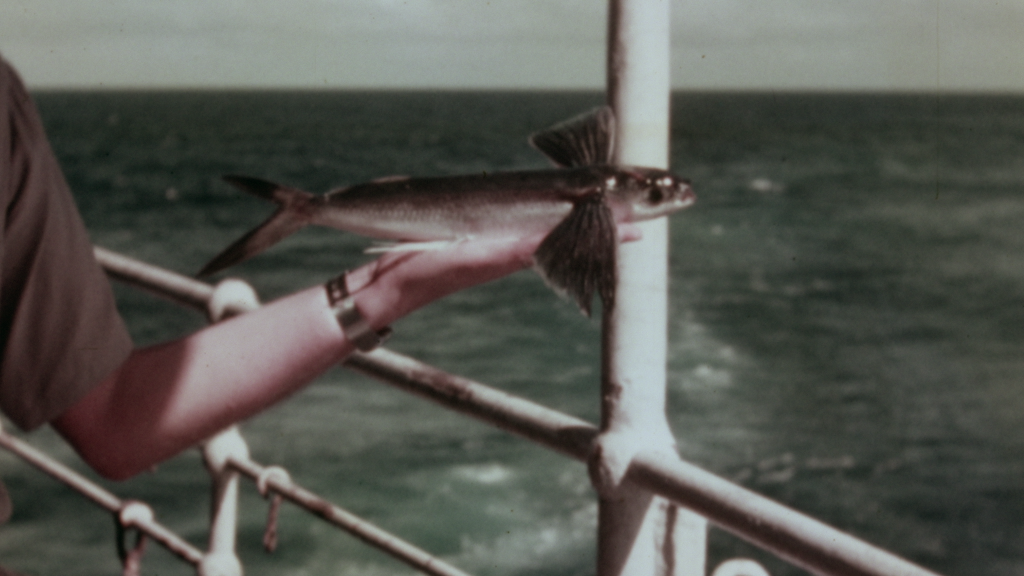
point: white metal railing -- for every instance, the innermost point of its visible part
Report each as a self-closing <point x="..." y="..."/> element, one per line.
<point x="130" y="514"/>
<point x="220" y="558"/>
<point x="792" y="535"/>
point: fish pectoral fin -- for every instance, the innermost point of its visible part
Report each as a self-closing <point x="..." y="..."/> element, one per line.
<point x="577" y="257"/>
<point x="384" y="247"/>
<point x="584" y="140"/>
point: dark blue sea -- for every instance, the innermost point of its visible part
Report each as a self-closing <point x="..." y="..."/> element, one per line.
<point x="847" y="325"/>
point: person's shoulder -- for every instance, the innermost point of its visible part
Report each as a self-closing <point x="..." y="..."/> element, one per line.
<point x="12" y="88"/>
<point x="6" y="73"/>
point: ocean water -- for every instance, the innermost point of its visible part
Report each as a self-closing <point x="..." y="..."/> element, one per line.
<point x="847" y="325"/>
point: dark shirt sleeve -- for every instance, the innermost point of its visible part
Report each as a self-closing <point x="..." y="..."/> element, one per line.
<point x="60" y="333"/>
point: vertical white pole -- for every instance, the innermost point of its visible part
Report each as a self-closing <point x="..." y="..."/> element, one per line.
<point x="638" y="534"/>
<point x="221" y="559"/>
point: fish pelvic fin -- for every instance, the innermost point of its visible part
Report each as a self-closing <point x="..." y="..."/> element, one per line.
<point x="428" y="246"/>
<point x="577" y="258"/>
<point x="295" y="210"/>
<point x="585" y="140"/>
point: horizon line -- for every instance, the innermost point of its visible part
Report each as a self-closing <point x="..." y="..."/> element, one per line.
<point x="542" y="89"/>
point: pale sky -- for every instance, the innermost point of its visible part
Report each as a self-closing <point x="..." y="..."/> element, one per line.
<point x="975" y="45"/>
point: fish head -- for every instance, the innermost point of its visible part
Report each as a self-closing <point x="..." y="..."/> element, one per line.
<point x="645" y="193"/>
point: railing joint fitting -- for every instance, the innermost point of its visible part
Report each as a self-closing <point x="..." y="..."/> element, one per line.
<point x="225" y="446"/>
<point x="612" y="453"/>
<point x="269" y="473"/>
<point x="740" y="567"/>
<point x="231" y="297"/>
<point x="135" y="515"/>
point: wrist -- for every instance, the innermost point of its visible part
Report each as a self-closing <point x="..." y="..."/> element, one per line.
<point x="365" y="333"/>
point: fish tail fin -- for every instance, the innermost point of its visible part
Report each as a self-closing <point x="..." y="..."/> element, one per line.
<point x="295" y="210"/>
<point x="577" y="258"/>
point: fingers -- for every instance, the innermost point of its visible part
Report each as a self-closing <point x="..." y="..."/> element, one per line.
<point x="461" y="264"/>
<point x="464" y="263"/>
<point x="408" y="280"/>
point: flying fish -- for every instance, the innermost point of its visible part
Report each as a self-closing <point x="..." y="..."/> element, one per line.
<point x="577" y="205"/>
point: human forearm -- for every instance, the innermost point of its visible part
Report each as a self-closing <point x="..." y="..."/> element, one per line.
<point x="169" y="397"/>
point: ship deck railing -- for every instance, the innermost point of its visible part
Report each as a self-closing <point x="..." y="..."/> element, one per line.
<point x="789" y="534"/>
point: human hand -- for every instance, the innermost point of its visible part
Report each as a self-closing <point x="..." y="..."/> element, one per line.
<point x="399" y="282"/>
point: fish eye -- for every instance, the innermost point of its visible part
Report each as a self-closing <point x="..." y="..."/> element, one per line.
<point x="655" y="195"/>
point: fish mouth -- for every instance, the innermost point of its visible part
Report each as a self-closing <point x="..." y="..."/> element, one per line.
<point x="685" y="196"/>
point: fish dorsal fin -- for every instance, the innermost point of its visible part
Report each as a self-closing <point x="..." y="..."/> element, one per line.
<point x="585" y="140"/>
<point x="577" y="257"/>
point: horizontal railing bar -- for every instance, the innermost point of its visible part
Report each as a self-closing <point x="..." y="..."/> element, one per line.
<point x="100" y="496"/>
<point x="561" y="432"/>
<point x="44" y="462"/>
<point x="341" y="518"/>
<point x="800" y="539"/>
<point x="790" y="534"/>
<point x="153" y="279"/>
